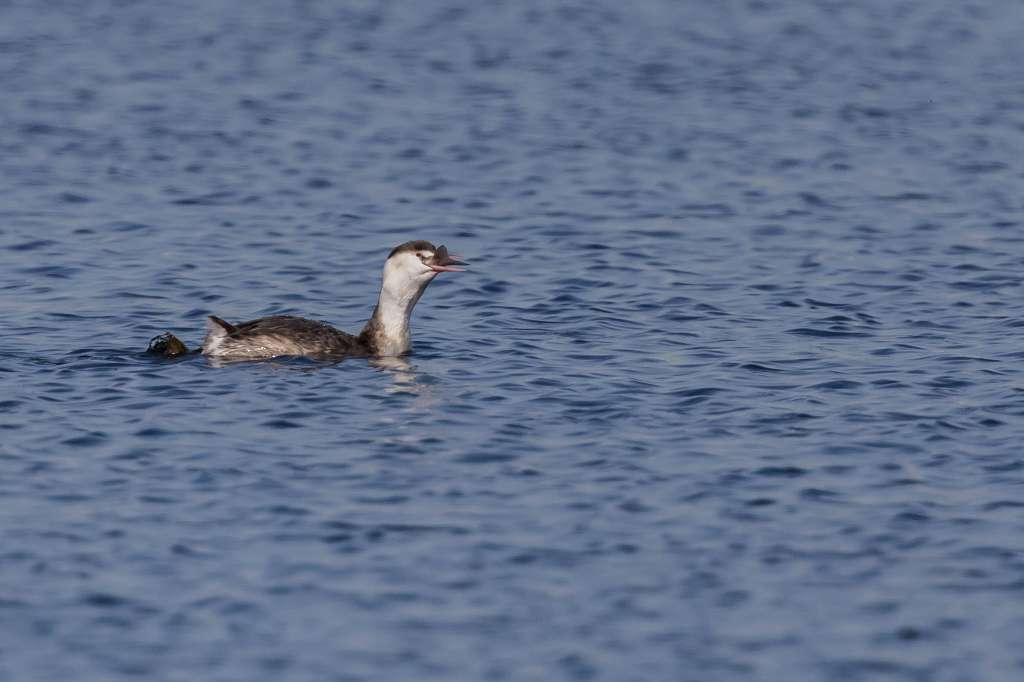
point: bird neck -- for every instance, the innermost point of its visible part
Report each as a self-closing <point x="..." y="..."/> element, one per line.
<point x="387" y="331"/>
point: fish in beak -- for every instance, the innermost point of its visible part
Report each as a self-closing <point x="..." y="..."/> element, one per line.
<point x="444" y="262"/>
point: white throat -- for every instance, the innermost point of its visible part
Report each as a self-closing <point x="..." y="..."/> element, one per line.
<point x="399" y="294"/>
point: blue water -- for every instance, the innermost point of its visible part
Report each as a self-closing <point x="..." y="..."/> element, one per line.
<point x="732" y="391"/>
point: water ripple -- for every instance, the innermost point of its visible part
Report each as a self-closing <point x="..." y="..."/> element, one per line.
<point x="731" y="391"/>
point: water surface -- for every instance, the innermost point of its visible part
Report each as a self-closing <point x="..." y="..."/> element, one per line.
<point x="731" y="392"/>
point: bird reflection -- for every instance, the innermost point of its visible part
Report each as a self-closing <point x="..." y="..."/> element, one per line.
<point x="405" y="379"/>
<point x="402" y="373"/>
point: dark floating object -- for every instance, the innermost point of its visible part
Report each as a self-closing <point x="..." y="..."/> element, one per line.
<point x="168" y="345"/>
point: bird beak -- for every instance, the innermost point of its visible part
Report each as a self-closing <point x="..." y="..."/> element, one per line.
<point x="443" y="262"/>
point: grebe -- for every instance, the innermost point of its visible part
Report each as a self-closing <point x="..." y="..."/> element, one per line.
<point x="409" y="268"/>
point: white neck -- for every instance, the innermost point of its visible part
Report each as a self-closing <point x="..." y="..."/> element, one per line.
<point x="398" y="296"/>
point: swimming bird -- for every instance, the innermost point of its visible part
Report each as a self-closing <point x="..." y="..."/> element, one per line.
<point x="409" y="268"/>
